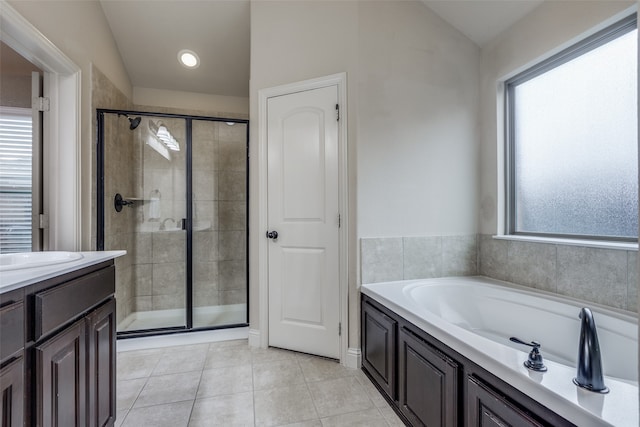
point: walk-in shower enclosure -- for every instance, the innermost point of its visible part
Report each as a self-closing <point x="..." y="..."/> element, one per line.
<point x="172" y="191"/>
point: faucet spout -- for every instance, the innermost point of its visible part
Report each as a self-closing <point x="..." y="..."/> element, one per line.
<point x="589" y="371"/>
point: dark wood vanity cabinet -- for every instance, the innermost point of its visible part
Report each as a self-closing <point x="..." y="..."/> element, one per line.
<point x="379" y="347"/>
<point x="429" y="384"/>
<point x="64" y="374"/>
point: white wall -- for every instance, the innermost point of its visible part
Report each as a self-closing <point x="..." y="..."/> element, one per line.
<point x="80" y="30"/>
<point x="412" y="105"/>
<point x="548" y="29"/>
<point x="417" y="123"/>
<point x="211" y="104"/>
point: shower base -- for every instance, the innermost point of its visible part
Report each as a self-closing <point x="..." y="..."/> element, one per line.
<point x="203" y="317"/>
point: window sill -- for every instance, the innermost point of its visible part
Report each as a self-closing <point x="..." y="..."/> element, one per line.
<point x="601" y="244"/>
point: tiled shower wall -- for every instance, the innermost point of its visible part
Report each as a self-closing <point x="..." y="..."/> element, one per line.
<point x="604" y="276"/>
<point x="119" y="156"/>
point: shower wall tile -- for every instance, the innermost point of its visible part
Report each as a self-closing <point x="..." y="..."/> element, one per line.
<point x="143" y="248"/>
<point x="143" y="279"/>
<point x="206" y="211"/>
<point x="232" y="275"/>
<point x="205" y="276"/>
<point x="203" y="297"/>
<point x="143" y="303"/>
<point x="381" y="259"/>
<point x="205" y="185"/>
<point x="632" y="281"/>
<point x="460" y="255"/>
<point x="493" y="258"/>
<point x="532" y="264"/>
<point x="169" y="246"/>
<point x="238" y="296"/>
<point x="168" y="278"/>
<point x="232" y="245"/>
<point x="598" y="275"/>
<point x="232" y="156"/>
<point x="205" y="246"/>
<point x="168" y="302"/>
<point x="233" y="185"/>
<point x="422" y="257"/>
<point x="232" y="215"/>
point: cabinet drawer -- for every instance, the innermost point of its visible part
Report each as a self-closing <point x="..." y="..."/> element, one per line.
<point x="12" y="325"/>
<point x="57" y="306"/>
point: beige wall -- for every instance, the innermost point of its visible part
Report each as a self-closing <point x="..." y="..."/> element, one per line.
<point x="211" y="105"/>
<point x="80" y="30"/>
<point x="545" y="31"/>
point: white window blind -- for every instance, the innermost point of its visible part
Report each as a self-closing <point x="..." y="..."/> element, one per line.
<point x="15" y="179"/>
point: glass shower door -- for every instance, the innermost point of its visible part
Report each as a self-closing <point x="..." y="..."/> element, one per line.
<point x="146" y="164"/>
<point x="219" y="183"/>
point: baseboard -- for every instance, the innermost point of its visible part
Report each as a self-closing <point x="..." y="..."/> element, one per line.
<point x="254" y="338"/>
<point x="353" y="359"/>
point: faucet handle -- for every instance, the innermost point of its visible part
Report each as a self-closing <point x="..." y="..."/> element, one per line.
<point x="535" y="361"/>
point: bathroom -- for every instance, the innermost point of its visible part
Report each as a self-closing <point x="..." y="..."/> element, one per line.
<point x="423" y="163"/>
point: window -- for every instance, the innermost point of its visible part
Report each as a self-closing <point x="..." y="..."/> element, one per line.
<point x="572" y="155"/>
<point x="15" y="180"/>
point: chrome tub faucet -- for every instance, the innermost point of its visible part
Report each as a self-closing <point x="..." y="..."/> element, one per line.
<point x="589" y="371"/>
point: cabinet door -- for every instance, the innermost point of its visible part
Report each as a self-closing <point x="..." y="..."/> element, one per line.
<point x="61" y="378"/>
<point x="11" y="393"/>
<point x="101" y="342"/>
<point x="487" y="408"/>
<point x="428" y="383"/>
<point x="378" y="348"/>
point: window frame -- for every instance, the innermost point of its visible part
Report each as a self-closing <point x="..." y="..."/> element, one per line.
<point x="602" y="37"/>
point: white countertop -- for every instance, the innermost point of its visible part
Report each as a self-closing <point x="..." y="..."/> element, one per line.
<point x="557" y="392"/>
<point x="15" y="279"/>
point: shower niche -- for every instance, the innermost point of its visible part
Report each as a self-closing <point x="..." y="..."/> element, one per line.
<point x="172" y="190"/>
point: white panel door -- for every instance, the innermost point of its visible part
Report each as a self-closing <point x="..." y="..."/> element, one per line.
<point x="302" y="151"/>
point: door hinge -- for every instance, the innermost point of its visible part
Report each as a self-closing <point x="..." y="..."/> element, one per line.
<point x="43" y="220"/>
<point x="337" y="112"/>
<point x="340" y="329"/>
<point x="41" y="103"/>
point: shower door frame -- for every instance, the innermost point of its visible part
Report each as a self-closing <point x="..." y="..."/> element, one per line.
<point x="100" y="213"/>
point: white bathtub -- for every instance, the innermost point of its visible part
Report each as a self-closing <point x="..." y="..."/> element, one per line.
<point x="476" y="316"/>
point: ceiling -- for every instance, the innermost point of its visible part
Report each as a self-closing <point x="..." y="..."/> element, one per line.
<point x="150" y="33"/>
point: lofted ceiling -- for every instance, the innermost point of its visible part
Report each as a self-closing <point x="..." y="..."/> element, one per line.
<point x="150" y="33"/>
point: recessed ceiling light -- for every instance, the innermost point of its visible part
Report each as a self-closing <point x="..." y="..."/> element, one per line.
<point x="188" y="58"/>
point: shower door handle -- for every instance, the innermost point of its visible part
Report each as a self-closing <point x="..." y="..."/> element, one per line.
<point x="183" y="224"/>
<point x="272" y="235"/>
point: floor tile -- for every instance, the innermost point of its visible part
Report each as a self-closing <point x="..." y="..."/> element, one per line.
<point x="367" y="418"/>
<point x="222" y="356"/>
<point x="127" y="392"/>
<point x="120" y="416"/>
<point x="339" y="396"/>
<point x="229" y="410"/>
<point x="276" y="374"/>
<point x="230" y="380"/>
<point x="136" y="364"/>
<point x="318" y="369"/>
<point x="169" y="388"/>
<point x="310" y="423"/>
<point x="169" y="415"/>
<point x="371" y="390"/>
<point x="263" y="355"/>
<point x="173" y="361"/>
<point x="283" y="405"/>
<point x="390" y="415"/>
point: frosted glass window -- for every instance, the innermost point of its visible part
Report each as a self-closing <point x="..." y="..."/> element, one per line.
<point x="573" y="142"/>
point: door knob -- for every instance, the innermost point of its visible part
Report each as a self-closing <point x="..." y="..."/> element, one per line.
<point x="272" y="235"/>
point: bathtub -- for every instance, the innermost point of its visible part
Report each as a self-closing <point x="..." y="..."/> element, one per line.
<point x="476" y="316"/>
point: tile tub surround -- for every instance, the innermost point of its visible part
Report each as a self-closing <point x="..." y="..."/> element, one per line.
<point x="405" y="258"/>
<point x="604" y="276"/>
<point x="229" y="383"/>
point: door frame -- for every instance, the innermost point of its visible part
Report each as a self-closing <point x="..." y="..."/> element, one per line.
<point x="260" y="338"/>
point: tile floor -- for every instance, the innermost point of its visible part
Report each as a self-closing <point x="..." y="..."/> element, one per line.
<point x="230" y="384"/>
